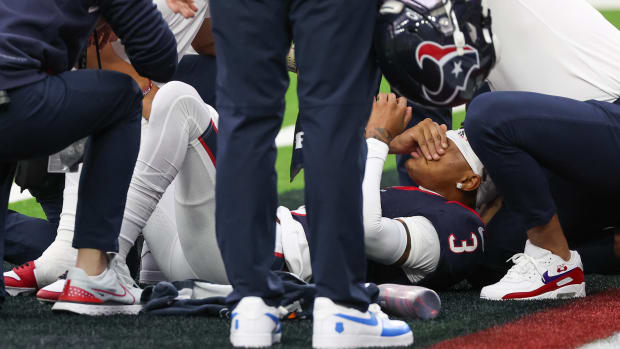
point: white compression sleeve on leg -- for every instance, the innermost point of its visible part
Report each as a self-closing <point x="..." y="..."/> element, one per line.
<point x="183" y="244"/>
<point x="161" y="156"/>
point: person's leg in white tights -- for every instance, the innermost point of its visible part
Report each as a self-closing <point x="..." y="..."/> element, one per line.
<point x="60" y="255"/>
<point x="173" y="148"/>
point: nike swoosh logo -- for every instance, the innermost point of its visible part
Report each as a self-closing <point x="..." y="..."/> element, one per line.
<point x="117" y="295"/>
<point x="372" y="321"/>
<point x="93" y="9"/>
<point x="275" y="319"/>
<point x="547" y="279"/>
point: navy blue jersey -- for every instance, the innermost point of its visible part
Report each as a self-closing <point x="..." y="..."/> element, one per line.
<point x="46" y="37"/>
<point x="460" y="229"/>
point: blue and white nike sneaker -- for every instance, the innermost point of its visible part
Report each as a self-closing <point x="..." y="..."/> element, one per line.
<point x="336" y="326"/>
<point x="539" y="274"/>
<point x="254" y="324"/>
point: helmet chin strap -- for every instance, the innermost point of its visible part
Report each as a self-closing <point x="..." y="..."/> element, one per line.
<point x="485" y="30"/>
<point x="457" y="35"/>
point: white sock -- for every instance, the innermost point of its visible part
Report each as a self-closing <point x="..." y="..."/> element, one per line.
<point x="60" y="255"/>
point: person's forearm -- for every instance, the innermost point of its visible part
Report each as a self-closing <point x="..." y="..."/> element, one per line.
<point x="377" y="153"/>
<point x="384" y="238"/>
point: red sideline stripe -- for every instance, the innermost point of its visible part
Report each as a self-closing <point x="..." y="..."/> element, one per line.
<point x="213" y="125"/>
<point x="574" y="324"/>
<point x="298" y="214"/>
<point x="278" y="254"/>
<point x="204" y="145"/>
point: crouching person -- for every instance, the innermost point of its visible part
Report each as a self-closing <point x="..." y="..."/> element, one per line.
<point x="46" y="107"/>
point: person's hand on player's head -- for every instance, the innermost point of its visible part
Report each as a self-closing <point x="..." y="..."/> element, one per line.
<point x="427" y="139"/>
<point x="187" y="8"/>
<point x="388" y="118"/>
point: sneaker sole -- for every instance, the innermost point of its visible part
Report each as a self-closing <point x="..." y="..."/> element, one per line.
<point x="46" y="301"/>
<point x="97" y="309"/>
<point x="566" y="292"/>
<point x="255" y="341"/>
<point x="358" y="341"/>
<point x="20" y="291"/>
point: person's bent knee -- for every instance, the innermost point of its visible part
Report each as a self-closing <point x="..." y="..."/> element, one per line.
<point x="130" y="103"/>
<point x="178" y="100"/>
<point x="485" y="115"/>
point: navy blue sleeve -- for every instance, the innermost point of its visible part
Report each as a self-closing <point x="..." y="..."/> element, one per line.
<point x="148" y="41"/>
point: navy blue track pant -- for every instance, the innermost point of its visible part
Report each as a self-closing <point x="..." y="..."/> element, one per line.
<point x="25" y="237"/>
<point x="46" y="116"/>
<point x="337" y="80"/>
<point x="524" y="137"/>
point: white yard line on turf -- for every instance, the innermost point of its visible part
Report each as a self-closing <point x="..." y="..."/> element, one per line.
<point x="612" y="342"/>
<point x="17" y="196"/>
<point x="287" y="133"/>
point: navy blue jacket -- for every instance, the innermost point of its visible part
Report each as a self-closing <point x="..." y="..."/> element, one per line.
<point x="38" y="38"/>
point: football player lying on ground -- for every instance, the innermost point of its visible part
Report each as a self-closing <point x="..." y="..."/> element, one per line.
<point x="427" y="238"/>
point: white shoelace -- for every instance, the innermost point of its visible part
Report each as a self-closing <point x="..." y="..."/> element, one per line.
<point x="522" y="265"/>
<point x="376" y="309"/>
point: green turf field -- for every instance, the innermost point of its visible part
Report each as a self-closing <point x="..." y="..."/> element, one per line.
<point x="24" y="323"/>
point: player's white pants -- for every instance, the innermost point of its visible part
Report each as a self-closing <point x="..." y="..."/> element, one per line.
<point x="182" y="241"/>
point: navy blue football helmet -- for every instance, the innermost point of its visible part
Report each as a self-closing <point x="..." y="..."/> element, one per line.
<point x="435" y="52"/>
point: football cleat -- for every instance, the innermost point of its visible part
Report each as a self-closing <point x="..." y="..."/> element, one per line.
<point x="111" y="293"/>
<point x="336" y="326"/>
<point x="409" y="301"/>
<point x="539" y="274"/>
<point x="21" y="280"/>
<point x="51" y="292"/>
<point x="254" y="324"/>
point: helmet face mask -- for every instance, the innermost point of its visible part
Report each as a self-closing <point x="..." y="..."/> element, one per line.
<point x="434" y="52"/>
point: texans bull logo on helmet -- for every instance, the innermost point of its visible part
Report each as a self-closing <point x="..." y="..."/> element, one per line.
<point x="457" y="68"/>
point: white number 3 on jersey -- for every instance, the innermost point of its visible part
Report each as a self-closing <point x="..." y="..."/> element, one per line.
<point x="464" y="246"/>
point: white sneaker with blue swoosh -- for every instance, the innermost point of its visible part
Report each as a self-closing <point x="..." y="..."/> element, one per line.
<point x="539" y="274"/>
<point x="254" y="324"/>
<point x="336" y="326"/>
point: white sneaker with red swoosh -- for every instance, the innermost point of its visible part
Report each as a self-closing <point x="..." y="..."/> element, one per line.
<point x="539" y="274"/>
<point x="111" y="293"/>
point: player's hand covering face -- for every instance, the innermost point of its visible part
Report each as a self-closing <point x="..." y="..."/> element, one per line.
<point x="187" y="8"/>
<point x="427" y="139"/>
<point x="389" y="117"/>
